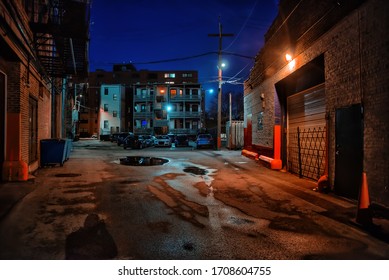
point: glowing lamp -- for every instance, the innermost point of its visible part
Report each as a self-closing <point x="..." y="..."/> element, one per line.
<point x="288" y="57"/>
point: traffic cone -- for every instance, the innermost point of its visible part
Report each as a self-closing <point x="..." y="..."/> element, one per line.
<point x="364" y="216"/>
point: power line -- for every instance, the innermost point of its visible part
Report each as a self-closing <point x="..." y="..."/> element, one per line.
<point x="175" y="59"/>
<point x="243" y="27"/>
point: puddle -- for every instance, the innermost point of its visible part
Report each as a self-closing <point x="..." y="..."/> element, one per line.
<point x="142" y="161"/>
<point x="195" y="170"/>
<point x="67" y="175"/>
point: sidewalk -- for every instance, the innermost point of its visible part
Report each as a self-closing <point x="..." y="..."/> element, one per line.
<point x="12" y="192"/>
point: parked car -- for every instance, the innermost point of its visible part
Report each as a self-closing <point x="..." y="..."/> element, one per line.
<point x="204" y="140"/>
<point x="163" y="141"/>
<point x="172" y="137"/>
<point x="120" y="138"/>
<point x="181" y="140"/>
<point x="114" y="137"/>
<point x="148" y="140"/>
<point x="134" y="142"/>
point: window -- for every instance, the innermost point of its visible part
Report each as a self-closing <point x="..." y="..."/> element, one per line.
<point x="170" y="75"/>
<point x="173" y="93"/>
<point x="114" y="114"/>
<point x="187" y="75"/>
<point x="195" y="91"/>
<point x="106" y="124"/>
<point x="105" y="91"/>
<point x="105" y="107"/>
<point x="115" y="97"/>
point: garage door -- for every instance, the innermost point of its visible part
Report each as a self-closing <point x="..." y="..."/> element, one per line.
<point x="306" y="147"/>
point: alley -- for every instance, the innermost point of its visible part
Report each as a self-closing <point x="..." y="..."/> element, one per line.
<point x="201" y="204"/>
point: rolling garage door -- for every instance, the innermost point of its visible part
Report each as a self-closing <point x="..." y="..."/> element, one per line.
<point x="306" y="147"/>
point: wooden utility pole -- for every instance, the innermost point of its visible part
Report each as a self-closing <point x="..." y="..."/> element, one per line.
<point x="219" y="95"/>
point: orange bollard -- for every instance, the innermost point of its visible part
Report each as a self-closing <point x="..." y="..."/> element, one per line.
<point x="276" y="163"/>
<point x="364" y="216"/>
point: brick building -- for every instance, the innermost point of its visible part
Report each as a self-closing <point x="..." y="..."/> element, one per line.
<point x="329" y="97"/>
<point x="42" y="43"/>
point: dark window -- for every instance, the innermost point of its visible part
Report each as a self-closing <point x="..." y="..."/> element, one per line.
<point x="106" y="91"/>
<point x="105" y="107"/>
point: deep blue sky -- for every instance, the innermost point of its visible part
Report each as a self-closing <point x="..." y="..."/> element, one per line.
<point x="140" y="31"/>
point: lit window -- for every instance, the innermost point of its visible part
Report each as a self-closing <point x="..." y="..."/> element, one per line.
<point x="170" y="75"/>
<point x="115" y="97"/>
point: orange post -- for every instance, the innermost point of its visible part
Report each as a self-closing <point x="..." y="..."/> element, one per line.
<point x="276" y="163"/>
<point x="364" y="216"/>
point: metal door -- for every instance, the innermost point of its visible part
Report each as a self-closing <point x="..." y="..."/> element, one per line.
<point x="307" y="132"/>
<point x="349" y="151"/>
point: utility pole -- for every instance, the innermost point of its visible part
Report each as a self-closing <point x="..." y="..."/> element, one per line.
<point x="219" y="95"/>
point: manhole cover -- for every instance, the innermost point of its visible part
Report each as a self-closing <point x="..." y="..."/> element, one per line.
<point x="142" y="161"/>
<point x="67" y="175"/>
<point x="195" y="170"/>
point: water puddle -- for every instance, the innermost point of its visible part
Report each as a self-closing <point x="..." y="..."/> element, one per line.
<point x="64" y="175"/>
<point x="195" y="170"/>
<point x="142" y="161"/>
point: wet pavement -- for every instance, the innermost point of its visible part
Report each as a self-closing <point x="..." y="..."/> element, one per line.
<point x="196" y="205"/>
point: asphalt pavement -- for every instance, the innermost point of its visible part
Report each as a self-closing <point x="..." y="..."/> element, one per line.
<point x="11" y="193"/>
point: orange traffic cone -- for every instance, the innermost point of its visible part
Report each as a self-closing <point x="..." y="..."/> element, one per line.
<point x="364" y="216"/>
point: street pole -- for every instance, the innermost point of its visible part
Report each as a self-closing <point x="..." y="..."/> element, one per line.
<point x="220" y="81"/>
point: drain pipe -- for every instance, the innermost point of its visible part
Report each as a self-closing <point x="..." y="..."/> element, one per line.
<point x="73" y="57"/>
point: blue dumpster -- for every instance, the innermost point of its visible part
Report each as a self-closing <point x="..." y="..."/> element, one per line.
<point x="53" y="151"/>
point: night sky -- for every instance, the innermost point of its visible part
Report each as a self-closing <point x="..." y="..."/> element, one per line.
<point x="139" y="32"/>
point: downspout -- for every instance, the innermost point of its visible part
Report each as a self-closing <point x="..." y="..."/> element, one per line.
<point x="73" y="57"/>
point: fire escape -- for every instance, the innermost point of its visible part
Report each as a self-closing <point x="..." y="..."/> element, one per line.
<point x="61" y="35"/>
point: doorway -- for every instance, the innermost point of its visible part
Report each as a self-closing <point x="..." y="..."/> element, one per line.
<point x="33" y="130"/>
<point x="248" y="137"/>
<point x="348" y="151"/>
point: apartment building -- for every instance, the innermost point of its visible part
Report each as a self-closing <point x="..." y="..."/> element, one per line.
<point x="168" y="108"/>
<point x="140" y="91"/>
<point x="111" y="113"/>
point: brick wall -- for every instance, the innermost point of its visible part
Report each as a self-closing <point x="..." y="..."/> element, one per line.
<point x="375" y="94"/>
<point x="356" y="59"/>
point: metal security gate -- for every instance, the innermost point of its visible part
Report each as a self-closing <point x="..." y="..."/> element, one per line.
<point x="306" y="140"/>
